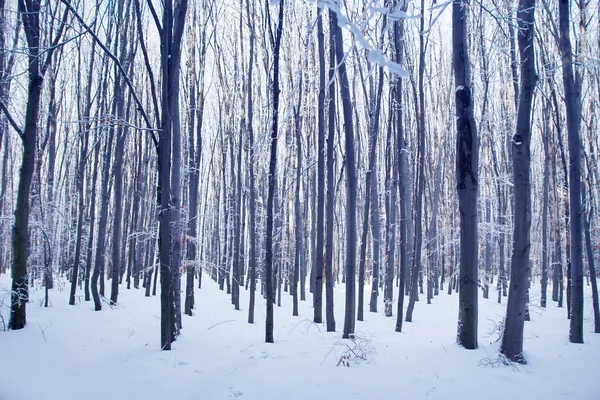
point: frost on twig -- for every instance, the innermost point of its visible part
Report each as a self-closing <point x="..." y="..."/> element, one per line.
<point x="502" y="360"/>
<point x="4" y="294"/>
<point x="306" y="325"/>
<point x="357" y="350"/>
<point x="496" y="330"/>
<point x="375" y="55"/>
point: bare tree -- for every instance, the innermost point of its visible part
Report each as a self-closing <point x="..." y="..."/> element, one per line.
<point x="572" y="82"/>
<point x="272" y="178"/>
<point x="512" y="338"/>
<point x="467" y="159"/>
<point x="31" y="13"/>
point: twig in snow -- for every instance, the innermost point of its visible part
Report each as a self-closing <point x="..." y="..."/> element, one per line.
<point x="43" y="332"/>
<point x="307" y="324"/>
<point x="229" y="320"/>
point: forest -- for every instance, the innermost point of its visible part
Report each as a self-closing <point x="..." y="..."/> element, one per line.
<point x="298" y="157"/>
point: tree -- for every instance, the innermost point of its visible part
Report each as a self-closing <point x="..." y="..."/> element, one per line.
<point x="512" y="338"/>
<point x="171" y="31"/>
<point x="251" y="178"/>
<point x="467" y="159"/>
<point x="572" y="82"/>
<point x="272" y="179"/>
<point x="350" y="261"/>
<point x="319" y="250"/>
<point x="331" y="109"/>
<point x="31" y="12"/>
<point x="403" y="178"/>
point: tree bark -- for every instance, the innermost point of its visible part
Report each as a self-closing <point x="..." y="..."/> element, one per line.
<point x="403" y="178"/>
<point x="467" y="159"/>
<point x="331" y="110"/>
<point x="572" y="81"/>
<point x="512" y="339"/>
<point x="319" y="248"/>
<point x="350" y="263"/>
<point x="272" y="179"/>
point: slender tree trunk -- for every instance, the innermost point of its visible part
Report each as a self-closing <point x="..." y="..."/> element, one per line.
<point x="467" y="159"/>
<point x="590" y="259"/>
<point x="168" y="194"/>
<point x="512" y="339"/>
<point x="572" y="84"/>
<point x="374" y="107"/>
<point x="251" y="184"/>
<point x="102" y="222"/>
<point x="350" y="263"/>
<point x="30" y="13"/>
<point x="299" y="251"/>
<point x="80" y="211"/>
<point x="420" y="185"/>
<point x="331" y="109"/>
<point x="403" y="188"/>
<point x="318" y="288"/>
<point x="272" y="179"/>
<point x="545" y="139"/>
<point x="195" y="153"/>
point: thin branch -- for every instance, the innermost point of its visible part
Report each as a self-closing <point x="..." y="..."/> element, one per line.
<point x="11" y="120"/>
<point x="155" y="16"/>
<point x="55" y="42"/>
<point x="140" y="107"/>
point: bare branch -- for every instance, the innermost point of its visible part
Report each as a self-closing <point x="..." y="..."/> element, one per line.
<point x="138" y="103"/>
<point x="11" y="120"/>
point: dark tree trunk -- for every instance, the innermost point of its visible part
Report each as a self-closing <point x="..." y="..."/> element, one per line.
<point x="30" y="14"/>
<point x="195" y="153"/>
<point x="102" y="222"/>
<point x="319" y="250"/>
<point x="299" y="251"/>
<point x="350" y="263"/>
<point x="375" y="102"/>
<point x="467" y="159"/>
<point x="545" y="139"/>
<point x="251" y="183"/>
<point x="92" y="224"/>
<point x="590" y="259"/>
<point x="572" y="84"/>
<point x="80" y="211"/>
<point x="331" y="109"/>
<point x="512" y="339"/>
<point x="169" y="241"/>
<point x="403" y="187"/>
<point x="272" y="178"/>
<point x="420" y="184"/>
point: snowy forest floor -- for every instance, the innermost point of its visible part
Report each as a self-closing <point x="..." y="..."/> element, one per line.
<point x="71" y="352"/>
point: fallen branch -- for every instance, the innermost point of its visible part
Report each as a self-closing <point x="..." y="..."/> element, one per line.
<point x="220" y="323"/>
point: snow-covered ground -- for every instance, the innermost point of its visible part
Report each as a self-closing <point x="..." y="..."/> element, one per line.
<point x="71" y="352"/>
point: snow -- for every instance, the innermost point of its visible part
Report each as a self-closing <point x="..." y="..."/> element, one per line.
<point x="376" y="56"/>
<point x="71" y="352"/>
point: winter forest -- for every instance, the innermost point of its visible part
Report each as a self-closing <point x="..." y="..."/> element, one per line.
<point x="301" y="199"/>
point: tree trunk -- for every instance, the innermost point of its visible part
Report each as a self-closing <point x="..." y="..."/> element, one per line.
<point x="590" y="257"/>
<point x="467" y="159"/>
<point x="318" y="288"/>
<point x="272" y="179"/>
<point x="420" y="184"/>
<point x="512" y="339"/>
<point x="572" y="84"/>
<point x="350" y="263"/>
<point x="251" y="183"/>
<point x="168" y="195"/>
<point x="545" y="139"/>
<point x="374" y="107"/>
<point x="331" y="109"/>
<point x="403" y="187"/>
